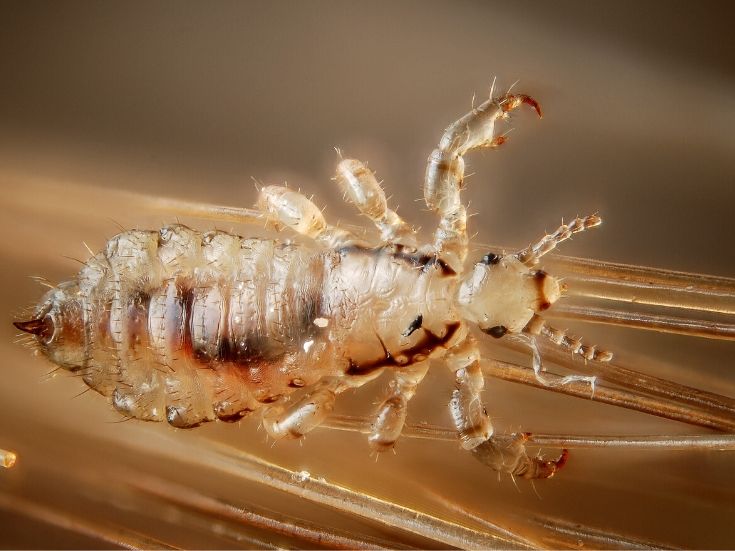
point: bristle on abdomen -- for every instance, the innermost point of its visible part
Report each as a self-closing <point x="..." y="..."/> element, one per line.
<point x="186" y="327"/>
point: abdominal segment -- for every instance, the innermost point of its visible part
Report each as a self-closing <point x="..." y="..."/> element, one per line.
<point x="187" y="328"/>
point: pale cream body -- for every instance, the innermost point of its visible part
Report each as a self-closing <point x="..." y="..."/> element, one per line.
<point x="191" y="327"/>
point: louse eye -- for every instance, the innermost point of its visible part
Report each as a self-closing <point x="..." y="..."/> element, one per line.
<point x="490" y="258"/>
<point x="497" y="331"/>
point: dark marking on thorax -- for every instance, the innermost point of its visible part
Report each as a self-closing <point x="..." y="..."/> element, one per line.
<point x="540" y="278"/>
<point x="408" y="255"/>
<point x="420" y="351"/>
<point x="415" y="324"/>
<point x="490" y="259"/>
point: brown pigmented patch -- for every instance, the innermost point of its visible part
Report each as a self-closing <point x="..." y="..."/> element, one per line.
<point x="234" y="417"/>
<point x="137" y="319"/>
<point x="270" y="399"/>
<point x="442" y="164"/>
<point x="539" y="277"/>
<point x="404" y="254"/>
<point x="186" y="294"/>
<point x="418" y="352"/>
<point x="414" y="326"/>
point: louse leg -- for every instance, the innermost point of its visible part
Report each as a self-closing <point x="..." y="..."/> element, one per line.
<point x="531" y="254"/>
<point x="362" y="189"/>
<point x="391" y="415"/>
<point x="445" y="169"/>
<point x="502" y="453"/>
<point x="507" y="454"/>
<point x="296" y="419"/>
<point x="292" y="209"/>
<point x="466" y="407"/>
<point x="306" y="413"/>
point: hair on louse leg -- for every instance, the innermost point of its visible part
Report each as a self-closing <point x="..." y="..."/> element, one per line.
<point x="535" y="490"/>
<point x="116" y="223"/>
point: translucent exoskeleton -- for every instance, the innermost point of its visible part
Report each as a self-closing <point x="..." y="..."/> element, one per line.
<point x="190" y="327"/>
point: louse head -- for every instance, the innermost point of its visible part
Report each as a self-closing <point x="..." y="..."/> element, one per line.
<point x="501" y="294"/>
<point x="57" y="326"/>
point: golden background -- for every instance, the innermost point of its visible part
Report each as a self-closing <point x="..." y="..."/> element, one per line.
<point x="192" y="100"/>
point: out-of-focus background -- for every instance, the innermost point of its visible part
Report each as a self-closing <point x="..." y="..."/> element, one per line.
<point x="194" y="100"/>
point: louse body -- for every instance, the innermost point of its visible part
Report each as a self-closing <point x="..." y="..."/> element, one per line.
<point x="190" y="327"/>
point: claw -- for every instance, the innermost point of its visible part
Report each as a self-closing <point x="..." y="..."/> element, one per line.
<point x="498" y="141"/>
<point x="507" y="454"/>
<point x="540" y="468"/>
<point x="512" y="101"/>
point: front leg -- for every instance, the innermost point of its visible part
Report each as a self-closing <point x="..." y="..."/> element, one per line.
<point x="505" y="454"/>
<point x="445" y="169"/>
<point x="466" y="407"/>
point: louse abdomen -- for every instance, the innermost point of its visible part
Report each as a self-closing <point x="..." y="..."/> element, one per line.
<point x="187" y="327"/>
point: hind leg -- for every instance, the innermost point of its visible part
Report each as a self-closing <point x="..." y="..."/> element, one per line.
<point x="362" y="189"/>
<point x="292" y="209"/>
<point x="468" y="412"/>
<point x="501" y="453"/>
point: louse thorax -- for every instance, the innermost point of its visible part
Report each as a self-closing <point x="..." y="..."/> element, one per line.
<point x="394" y="305"/>
<point x="57" y="326"/>
<point x="501" y="294"/>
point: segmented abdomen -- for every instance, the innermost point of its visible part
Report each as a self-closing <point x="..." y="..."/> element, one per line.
<point x="187" y="327"/>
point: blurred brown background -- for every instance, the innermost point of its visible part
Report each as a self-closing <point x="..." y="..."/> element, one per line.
<point x="190" y="100"/>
